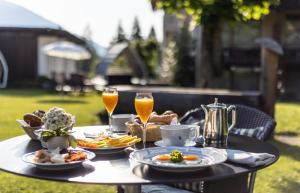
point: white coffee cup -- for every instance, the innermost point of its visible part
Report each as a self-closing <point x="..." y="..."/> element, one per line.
<point x="178" y="135"/>
<point x="118" y="122"/>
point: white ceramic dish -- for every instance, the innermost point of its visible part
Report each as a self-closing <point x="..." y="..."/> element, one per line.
<point x="208" y="157"/>
<point x="100" y="151"/>
<point x="160" y="143"/>
<point x="29" y="158"/>
<point x="103" y="150"/>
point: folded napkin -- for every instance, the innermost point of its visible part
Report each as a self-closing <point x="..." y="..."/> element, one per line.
<point x="248" y="158"/>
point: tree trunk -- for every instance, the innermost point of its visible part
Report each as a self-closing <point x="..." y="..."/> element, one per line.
<point x="216" y="54"/>
<point x="208" y="57"/>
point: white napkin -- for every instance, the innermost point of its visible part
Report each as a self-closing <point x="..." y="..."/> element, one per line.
<point x="248" y="158"/>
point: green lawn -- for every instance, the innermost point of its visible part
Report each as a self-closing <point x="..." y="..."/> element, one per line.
<point x="13" y="104"/>
<point x="282" y="177"/>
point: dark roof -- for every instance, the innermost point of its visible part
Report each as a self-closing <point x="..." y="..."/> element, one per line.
<point x="16" y="18"/>
<point x="132" y="57"/>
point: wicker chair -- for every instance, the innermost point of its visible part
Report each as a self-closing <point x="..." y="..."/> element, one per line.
<point x="247" y="117"/>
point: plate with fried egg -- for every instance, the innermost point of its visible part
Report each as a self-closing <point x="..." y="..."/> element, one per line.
<point x="178" y="159"/>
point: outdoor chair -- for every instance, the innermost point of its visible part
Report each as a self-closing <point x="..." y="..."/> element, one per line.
<point x="247" y="118"/>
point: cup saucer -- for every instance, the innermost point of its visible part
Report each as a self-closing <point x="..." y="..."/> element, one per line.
<point x="160" y="143"/>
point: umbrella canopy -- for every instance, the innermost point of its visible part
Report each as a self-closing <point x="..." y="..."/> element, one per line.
<point x="67" y="50"/>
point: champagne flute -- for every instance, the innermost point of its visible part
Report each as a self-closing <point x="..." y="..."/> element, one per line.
<point x="110" y="99"/>
<point x="143" y="106"/>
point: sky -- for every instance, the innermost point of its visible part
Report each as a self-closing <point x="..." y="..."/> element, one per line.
<point x="102" y="16"/>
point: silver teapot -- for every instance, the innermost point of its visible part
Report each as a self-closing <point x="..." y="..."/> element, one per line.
<point x="216" y="126"/>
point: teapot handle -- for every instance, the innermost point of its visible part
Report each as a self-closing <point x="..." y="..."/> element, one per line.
<point x="232" y="108"/>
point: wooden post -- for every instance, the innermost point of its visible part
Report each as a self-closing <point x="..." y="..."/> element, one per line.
<point x="268" y="82"/>
<point x="270" y="53"/>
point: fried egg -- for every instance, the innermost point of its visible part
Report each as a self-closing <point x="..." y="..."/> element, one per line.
<point x="166" y="159"/>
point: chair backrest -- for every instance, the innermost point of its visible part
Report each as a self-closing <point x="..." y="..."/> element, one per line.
<point x="247" y="117"/>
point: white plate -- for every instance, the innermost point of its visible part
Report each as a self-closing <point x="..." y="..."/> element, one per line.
<point x="100" y="151"/>
<point x="160" y="143"/>
<point x="29" y="158"/>
<point x="208" y="157"/>
<point x="104" y="150"/>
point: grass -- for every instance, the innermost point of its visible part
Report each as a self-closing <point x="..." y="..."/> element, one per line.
<point x="15" y="103"/>
<point x="284" y="176"/>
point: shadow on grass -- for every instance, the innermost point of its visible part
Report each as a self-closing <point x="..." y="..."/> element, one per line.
<point x="62" y="101"/>
<point x="24" y="92"/>
<point x="287" y="133"/>
<point x="286" y="184"/>
<point x="291" y="151"/>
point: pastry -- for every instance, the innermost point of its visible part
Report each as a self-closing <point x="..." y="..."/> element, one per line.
<point x="164" y="119"/>
<point x="32" y="120"/>
<point x="39" y="113"/>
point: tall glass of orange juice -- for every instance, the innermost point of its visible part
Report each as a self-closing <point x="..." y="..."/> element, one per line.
<point x="144" y="106"/>
<point x="110" y="99"/>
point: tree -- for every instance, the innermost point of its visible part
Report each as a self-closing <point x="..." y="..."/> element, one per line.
<point x="211" y="13"/>
<point x="136" y="30"/>
<point x="148" y="50"/>
<point x="169" y="61"/>
<point x="152" y="34"/>
<point x="87" y="32"/>
<point x="121" y="37"/>
<point x="185" y="66"/>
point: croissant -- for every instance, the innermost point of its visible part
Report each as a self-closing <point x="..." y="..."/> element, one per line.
<point x="164" y="119"/>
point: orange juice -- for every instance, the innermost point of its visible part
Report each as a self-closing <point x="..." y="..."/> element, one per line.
<point x="144" y="107"/>
<point x="110" y="101"/>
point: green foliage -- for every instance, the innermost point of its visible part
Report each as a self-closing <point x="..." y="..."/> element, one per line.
<point x="212" y="11"/>
<point x="148" y="50"/>
<point x="136" y="30"/>
<point x="47" y="134"/>
<point x="121" y="37"/>
<point x="152" y="34"/>
<point x="185" y="66"/>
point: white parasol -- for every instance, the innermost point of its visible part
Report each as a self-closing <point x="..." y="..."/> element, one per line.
<point x="67" y="50"/>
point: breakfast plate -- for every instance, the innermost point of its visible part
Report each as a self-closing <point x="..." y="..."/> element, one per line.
<point x="160" y="143"/>
<point x="197" y="158"/>
<point x="110" y="150"/>
<point x="107" y="144"/>
<point x="30" y="159"/>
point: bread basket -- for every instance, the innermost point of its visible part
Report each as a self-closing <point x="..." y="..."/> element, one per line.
<point x="29" y="130"/>
<point x="152" y="131"/>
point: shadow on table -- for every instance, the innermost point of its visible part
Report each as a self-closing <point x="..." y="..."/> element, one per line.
<point x="62" y="101"/>
<point x="146" y="172"/>
<point x="82" y="171"/>
<point x="109" y="157"/>
<point x="28" y="147"/>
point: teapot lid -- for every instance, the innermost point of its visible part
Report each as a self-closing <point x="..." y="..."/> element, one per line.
<point x="217" y="105"/>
